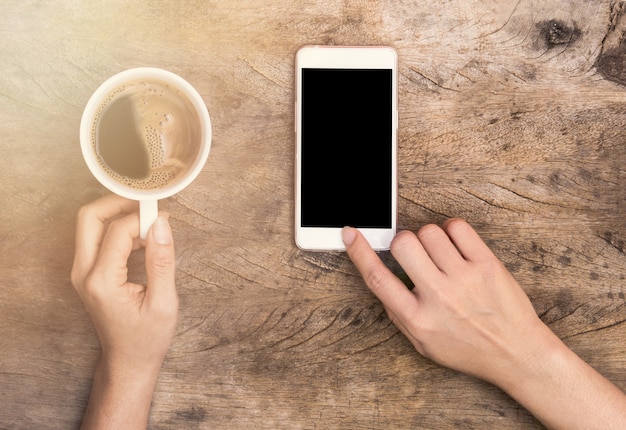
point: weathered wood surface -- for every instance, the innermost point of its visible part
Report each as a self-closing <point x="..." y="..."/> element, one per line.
<point x="512" y="115"/>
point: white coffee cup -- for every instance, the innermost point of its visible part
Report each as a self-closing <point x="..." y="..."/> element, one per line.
<point x="169" y="118"/>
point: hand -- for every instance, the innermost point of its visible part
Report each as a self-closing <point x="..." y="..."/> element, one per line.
<point x="135" y="323"/>
<point x="467" y="312"/>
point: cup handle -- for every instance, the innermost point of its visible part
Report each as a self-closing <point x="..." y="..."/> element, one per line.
<point x="148" y="213"/>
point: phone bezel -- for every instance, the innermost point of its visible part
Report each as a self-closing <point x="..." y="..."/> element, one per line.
<point x="344" y="57"/>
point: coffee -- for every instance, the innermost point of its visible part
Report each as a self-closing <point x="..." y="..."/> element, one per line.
<point x="146" y="134"/>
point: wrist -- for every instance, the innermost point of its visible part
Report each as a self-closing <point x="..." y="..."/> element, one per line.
<point x="120" y="372"/>
<point x="120" y="397"/>
<point x="531" y="361"/>
<point x="561" y="390"/>
<point x="124" y="369"/>
<point x="536" y="366"/>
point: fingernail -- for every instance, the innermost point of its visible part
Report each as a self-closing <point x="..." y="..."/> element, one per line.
<point x="348" y="234"/>
<point x="161" y="231"/>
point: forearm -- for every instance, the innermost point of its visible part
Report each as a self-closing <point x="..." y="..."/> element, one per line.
<point x="564" y="392"/>
<point x="118" y="400"/>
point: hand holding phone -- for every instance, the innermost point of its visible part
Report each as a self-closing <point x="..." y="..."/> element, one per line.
<point x="346" y="127"/>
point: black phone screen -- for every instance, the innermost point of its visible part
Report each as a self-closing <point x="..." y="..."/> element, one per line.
<point x="346" y="148"/>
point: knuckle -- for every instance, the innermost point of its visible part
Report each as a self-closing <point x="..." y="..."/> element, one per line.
<point x="86" y="212"/>
<point x="376" y="279"/>
<point x="91" y="284"/>
<point x="91" y="288"/>
<point x="162" y="264"/>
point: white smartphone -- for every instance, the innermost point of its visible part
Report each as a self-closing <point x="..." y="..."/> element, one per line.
<point x="346" y="145"/>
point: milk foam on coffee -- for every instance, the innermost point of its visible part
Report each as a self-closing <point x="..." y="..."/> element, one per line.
<point x="146" y="134"/>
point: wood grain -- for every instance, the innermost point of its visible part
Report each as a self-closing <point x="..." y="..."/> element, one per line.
<point x="512" y="115"/>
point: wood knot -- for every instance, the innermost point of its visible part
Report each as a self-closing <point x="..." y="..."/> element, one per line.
<point x="555" y="32"/>
<point x="612" y="64"/>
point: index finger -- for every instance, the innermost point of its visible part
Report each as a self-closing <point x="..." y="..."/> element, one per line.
<point x="381" y="281"/>
<point x="91" y="226"/>
<point x="110" y="265"/>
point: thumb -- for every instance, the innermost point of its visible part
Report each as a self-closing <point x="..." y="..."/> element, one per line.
<point x="161" y="264"/>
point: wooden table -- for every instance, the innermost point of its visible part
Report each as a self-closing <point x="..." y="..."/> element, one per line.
<point x="512" y="115"/>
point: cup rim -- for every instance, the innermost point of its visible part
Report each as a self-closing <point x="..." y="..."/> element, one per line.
<point x="90" y="111"/>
